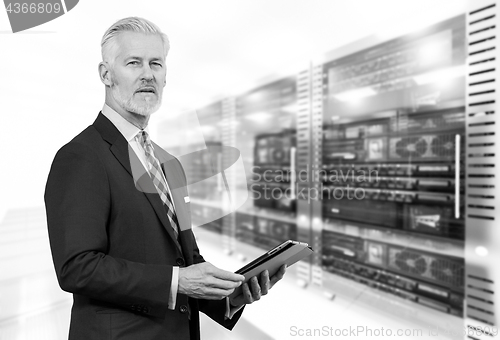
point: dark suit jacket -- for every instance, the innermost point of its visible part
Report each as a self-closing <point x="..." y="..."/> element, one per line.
<point x="113" y="246"/>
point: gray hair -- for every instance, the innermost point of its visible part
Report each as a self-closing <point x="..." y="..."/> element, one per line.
<point x="130" y="24"/>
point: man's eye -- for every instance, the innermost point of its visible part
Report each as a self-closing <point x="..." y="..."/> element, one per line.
<point x="157" y="65"/>
<point x="133" y="62"/>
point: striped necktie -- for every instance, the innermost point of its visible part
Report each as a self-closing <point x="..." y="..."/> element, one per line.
<point x="156" y="175"/>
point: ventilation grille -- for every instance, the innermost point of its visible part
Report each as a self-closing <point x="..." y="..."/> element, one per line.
<point x="316" y="161"/>
<point x="482" y="185"/>
<point x="317" y="125"/>
<point x="481" y="121"/>
<point x="303" y="126"/>
<point x="480" y="300"/>
<point x="303" y="160"/>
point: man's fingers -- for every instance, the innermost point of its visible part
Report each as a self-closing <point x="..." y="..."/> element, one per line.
<point x="218" y="283"/>
<point x="225" y="275"/>
<point x="264" y="282"/>
<point x="222" y="284"/>
<point x="216" y="293"/>
<point x="278" y="276"/>
<point x="247" y="294"/>
<point x="205" y="281"/>
<point x="254" y="284"/>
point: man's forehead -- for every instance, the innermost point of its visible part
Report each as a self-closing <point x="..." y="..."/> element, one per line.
<point x="140" y="45"/>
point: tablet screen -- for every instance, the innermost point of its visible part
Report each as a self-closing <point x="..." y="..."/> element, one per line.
<point x="269" y="255"/>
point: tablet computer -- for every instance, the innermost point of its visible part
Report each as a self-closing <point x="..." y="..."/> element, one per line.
<point x="287" y="253"/>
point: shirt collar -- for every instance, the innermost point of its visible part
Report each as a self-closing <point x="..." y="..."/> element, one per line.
<point x="127" y="129"/>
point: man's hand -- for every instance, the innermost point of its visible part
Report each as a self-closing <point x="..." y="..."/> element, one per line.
<point x="255" y="288"/>
<point x="205" y="281"/>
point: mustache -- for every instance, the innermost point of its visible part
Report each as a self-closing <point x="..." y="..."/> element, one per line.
<point x="147" y="87"/>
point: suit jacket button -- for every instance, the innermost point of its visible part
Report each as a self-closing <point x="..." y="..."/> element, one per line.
<point x="183" y="309"/>
<point x="180" y="261"/>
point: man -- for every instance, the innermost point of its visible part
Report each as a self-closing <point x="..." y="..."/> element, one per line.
<point x="123" y="245"/>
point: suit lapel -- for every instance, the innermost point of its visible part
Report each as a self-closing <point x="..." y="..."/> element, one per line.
<point x="129" y="160"/>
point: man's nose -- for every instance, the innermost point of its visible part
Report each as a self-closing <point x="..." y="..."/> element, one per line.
<point x="147" y="73"/>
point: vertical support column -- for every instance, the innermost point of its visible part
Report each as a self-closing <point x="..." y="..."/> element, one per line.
<point x="228" y="135"/>
<point x="304" y="103"/>
<point x="317" y="164"/>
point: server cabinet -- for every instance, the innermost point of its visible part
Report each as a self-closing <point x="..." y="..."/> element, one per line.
<point x="207" y="195"/>
<point x="264" y="125"/>
<point x="203" y="133"/>
<point x="391" y="169"/>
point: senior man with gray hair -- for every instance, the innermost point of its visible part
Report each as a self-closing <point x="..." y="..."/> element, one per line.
<point x="123" y="245"/>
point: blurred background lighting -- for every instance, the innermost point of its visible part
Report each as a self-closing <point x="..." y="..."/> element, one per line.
<point x="258" y="117"/>
<point x="355" y="95"/>
<point x="441" y="76"/>
<point x="481" y="251"/>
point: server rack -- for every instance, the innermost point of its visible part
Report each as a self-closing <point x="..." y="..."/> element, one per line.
<point x="392" y="184"/>
<point x="206" y="197"/>
<point x="264" y="122"/>
<point x="204" y="131"/>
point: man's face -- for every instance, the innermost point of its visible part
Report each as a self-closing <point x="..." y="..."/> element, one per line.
<point x="138" y="72"/>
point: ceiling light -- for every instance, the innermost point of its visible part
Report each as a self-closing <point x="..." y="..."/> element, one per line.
<point x="355" y="95"/>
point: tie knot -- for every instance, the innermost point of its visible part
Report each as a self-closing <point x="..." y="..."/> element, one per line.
<point x="143" y="138"/>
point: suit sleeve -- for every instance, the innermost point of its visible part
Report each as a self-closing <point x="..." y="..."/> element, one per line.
<point x="77" y="199"/>
<point x="217" y="310"/>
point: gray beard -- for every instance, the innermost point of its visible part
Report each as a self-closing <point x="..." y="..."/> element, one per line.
<point x="130" y="105"/>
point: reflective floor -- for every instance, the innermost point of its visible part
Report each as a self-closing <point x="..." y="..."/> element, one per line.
<point x="32" y="306"/>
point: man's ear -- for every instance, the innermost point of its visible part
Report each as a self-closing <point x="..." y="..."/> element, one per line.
<point x="104" y="73"/>
<point x="165" y="80"/>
